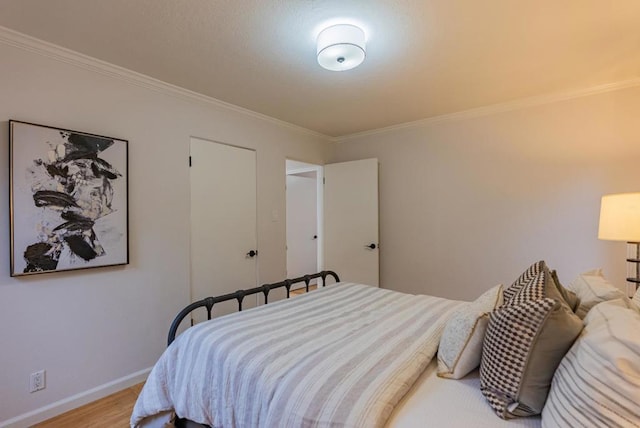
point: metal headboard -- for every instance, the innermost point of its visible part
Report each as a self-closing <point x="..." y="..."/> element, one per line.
<point x="241" y="294"/>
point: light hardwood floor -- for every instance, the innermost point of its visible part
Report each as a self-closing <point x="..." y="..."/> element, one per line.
<point x="113" y="411"/>
<point x="302" y="290"/>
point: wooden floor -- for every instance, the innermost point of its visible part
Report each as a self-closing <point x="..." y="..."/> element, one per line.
<point x="113" y="411"/>
<point x="302" y="290"/>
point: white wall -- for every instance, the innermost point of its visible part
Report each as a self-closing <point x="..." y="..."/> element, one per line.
<point x="466" y="204"/>
<point x="89" y="328"/>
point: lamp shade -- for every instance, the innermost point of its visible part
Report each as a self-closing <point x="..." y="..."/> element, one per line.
<point x="341" y="47"/>
<point x="620" y="217"/>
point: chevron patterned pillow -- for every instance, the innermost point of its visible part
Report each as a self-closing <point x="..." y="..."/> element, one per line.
<point x="540" y="286"/>
<point x="531" y="272"/>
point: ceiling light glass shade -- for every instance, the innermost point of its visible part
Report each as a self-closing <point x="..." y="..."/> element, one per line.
<point x="620" y="217"/>
<point x="341" y="47"/>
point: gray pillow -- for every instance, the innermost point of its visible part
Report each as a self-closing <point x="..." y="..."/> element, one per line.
<point x="525" y="341"/>
<point x="570" y="297"/>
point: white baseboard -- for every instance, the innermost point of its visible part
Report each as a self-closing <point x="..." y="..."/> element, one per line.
<point x="54" y="409"/>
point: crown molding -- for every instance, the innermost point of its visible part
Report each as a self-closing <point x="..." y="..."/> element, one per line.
<point x="518" y="104"/>
<point x="68" y="56"/>
<point x="28" y="43"/>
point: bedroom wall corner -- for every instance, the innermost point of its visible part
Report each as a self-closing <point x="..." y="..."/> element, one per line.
<point x="469" y="203"/>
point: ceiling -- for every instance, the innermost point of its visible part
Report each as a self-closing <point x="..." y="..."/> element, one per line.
<point x="425" y="58"/>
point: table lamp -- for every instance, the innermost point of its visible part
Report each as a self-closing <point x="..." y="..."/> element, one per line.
<point x="620" y="221"/>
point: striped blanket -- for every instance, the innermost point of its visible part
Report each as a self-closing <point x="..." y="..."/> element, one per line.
<point x="341" y="356"/>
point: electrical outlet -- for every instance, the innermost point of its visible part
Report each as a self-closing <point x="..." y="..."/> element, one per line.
<point x="37" y="381"/>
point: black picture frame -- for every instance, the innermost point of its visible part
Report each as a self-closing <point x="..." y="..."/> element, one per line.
<point x="69" y="199"/>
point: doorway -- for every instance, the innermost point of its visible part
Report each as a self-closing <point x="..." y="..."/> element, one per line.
<point x="304" y="219"/>
<point x="346" y="220"/>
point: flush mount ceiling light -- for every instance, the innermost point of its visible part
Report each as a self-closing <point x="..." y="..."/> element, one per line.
<point x="341" y="47"/>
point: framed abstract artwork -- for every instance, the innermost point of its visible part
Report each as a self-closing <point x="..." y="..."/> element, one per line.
<point x="69" y="199"/>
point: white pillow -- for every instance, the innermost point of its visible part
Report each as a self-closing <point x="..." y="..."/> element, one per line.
<point x="593" y="288"/>
<point x="636" y="298"/>
<point x="460" y="348"/>
<point x="598" y="381"/>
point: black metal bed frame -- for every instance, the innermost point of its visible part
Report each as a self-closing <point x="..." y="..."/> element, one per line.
<point x="239" y="295"/>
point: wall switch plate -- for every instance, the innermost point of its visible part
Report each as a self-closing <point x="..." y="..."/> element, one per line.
<point x="37" y="381"/>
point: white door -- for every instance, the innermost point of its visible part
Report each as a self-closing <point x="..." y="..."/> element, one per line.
<point x="302" y="230"/>
<point x="223" y="222"/>
<point x="351" y="220"/>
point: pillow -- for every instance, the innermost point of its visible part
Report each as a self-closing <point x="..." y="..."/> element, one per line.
<point x="570" y="297"/>
<point x="540" y="286"/>
<point x="636" y="298"/>
<point x="556" y="290"/>
<point x="598" y="381"/>
<point x="524" y="343"/>
<point x="523" y="280"/>
<point x="592" y="288"/>
<point x="460" y="347"/>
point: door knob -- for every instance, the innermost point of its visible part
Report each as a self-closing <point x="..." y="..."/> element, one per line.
<point x="371" y="246"/>
<point x="315" y="236"/>
<point x="252" y="253"/>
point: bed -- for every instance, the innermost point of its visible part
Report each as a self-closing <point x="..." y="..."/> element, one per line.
<point x="337" y="370"/>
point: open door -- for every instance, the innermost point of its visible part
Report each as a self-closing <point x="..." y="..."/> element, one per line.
<point x="351" y="220"/>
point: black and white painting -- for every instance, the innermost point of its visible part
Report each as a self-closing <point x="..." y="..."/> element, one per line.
<point x="68" y="199"/>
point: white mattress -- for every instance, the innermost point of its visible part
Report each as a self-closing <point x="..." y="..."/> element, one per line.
<point x="438" y="402"/>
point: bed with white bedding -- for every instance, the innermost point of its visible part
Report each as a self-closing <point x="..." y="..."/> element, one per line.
<point x="431" y="402"/>
<point x="364" y="357"/>
<point x="356" y="351"/>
